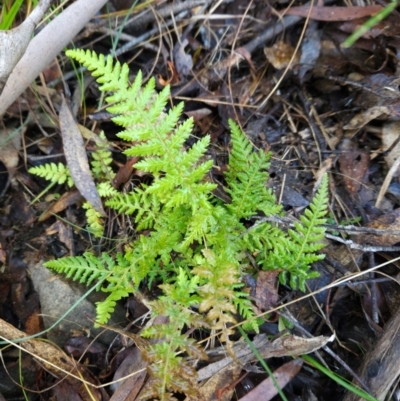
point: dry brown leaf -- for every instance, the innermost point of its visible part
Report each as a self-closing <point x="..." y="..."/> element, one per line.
<point x="55" y="361"/>
<point x="363" y="118"/>
<point x="219" y="383"/>
<point x="66" y="199"/>
<point x="322" y="13"/>
<point x="283" y="375"/>
<point x="353" y="164"/>
<point x="124" y="173"/>
<point x="280" y="54"/>
<point x="389" y="27"/>
<point x="10" y="144"/>
<point x="128" y="389"/>
<point x="77" y="160"/>
<point x="267" y="290"/>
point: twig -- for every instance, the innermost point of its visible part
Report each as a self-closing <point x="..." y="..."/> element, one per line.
<point x="365" y="248"/>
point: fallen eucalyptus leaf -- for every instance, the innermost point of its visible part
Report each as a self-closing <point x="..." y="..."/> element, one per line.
<point x="77" y="161"/>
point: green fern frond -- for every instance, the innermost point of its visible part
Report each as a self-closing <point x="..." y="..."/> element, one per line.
<point x="106" y="190"/>
<point x="55" y="173"/>
<point x="84" y="269"/>
<point x="112" y="77"/>
<point x="247" y="177"/>
<point x="101" y="161"/>
<point x="296" y="252"/>
<point x="105" y="308"/>
<point x="94" y="220"/>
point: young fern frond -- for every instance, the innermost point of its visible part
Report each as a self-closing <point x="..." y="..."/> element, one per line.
<point x="110" y="75"/>
<point x="101" y="161"/>
<point x="246" y="178"/>
<point x="297" y="251"/>
<point x="94" y="220"/>
<point x="55" y="173"/>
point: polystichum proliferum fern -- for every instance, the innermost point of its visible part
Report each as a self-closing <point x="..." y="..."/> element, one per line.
<point x="188" y="239"/>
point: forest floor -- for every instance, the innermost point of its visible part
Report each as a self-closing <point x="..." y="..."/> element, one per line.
<point x="279" y="70"/>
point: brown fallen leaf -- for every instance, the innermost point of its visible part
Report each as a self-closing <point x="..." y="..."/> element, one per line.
<point x="134" y="368"/>
<point x="389" y="27"/>
<point x="124" y="173"/>
<point x="67" y="199"/>
<point x="77" y="160"/>
<point x="280" y="55"/>
<point x="267" y="290"/>
<point x="56" y="362"/>
<point x="10" y="144"/>
<point x="283" y="375"/>
<point x="183" y="60"/>
<point x="220" y="384"/>
<point x="322" y="13"/>
<point x="365" y="116"/>
<point x="353" y="164"/>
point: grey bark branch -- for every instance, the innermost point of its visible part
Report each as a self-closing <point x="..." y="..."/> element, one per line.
<point x="44" y="47"/>
<point x="14" y="42"/>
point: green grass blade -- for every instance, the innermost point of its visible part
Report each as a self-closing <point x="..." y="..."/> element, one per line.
<point x="369" y="24"/>
<point x="342" y="382"/>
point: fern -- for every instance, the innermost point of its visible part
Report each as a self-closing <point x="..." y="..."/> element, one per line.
<point x="102" y="171"/>
<point x="86" y="268"/>
<point x="55" y="173"/>
<point x="246" y="178"/>
<point x="195" y="244"/>
<point x="295" y="252"/>
<point x="101" y="161"/>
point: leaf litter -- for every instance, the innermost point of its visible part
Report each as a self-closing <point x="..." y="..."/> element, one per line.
<point x="297" y="93"/>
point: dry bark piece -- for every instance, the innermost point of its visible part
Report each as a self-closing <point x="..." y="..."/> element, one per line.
<point x="283" y="346"/>
<point x="390" y="222"/>
<point x="183" y="60"/>
<point x="44" y="47"/>
<point x="14" y="42"/>
<point x="77" y="160"/>
<point x="380" y="368"/>
<point x="10" y="144"/>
